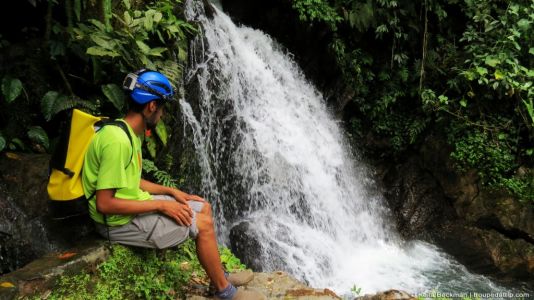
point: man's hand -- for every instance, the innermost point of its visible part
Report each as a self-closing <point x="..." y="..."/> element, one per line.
<point x="182" y="197"/>
<point x="181" y="213"/>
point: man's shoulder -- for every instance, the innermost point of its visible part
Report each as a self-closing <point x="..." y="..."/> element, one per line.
<point x="112" y="134"/>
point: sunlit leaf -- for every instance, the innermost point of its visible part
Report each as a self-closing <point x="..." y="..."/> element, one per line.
<point x="151" y="146"/>
<point x="102" y="42"/>
<point x="97" y="51"/>
<point x="148" y="23"/>
<point x="157" y="51"/>
<point x="498" y="75"/>
<point x="98" y="24"/>
<point x="143" y="47"/>
<point x="161" y="131"/>
<point x="492" y="62"/>
<point x="127" y="4"/>
<point x="157" y="17"/>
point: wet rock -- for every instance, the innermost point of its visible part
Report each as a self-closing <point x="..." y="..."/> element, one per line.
<point x="26" y="228"/>
<point x="245" y="245"/>
<point x="41" y="274"/>
<point x="416" y="199"/>
<point x="489" y="231"/>
<point x="388" y="295"/>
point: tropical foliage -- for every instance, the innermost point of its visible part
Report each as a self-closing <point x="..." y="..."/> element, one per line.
<point x="82" y="55"/>
<point x="460" y="70"/>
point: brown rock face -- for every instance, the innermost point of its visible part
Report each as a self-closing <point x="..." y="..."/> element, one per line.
<point x="489" y="231"/>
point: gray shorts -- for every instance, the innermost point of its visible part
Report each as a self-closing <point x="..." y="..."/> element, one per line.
<point x="153" y="230"/>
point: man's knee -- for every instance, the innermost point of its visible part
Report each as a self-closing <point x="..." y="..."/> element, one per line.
<point x="204" y="223"/>
<point x="206" y="208"/>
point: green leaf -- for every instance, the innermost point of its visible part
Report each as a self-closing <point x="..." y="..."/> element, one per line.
<point x="161" y="131"/>
<point x="98" y="24"/>
<point x="77" y="9"/>
<point x="482" y="71"/>
<point x="143" y="47"/>
<point x="102" y="42"/>
<point x="523" y="24"/>
<point x="127" y="4"/>
<point x="97" y="51"/>
<point x="463" y="102"/>
<point x="172" y="28"/>
<point x="498" y="74"/>
<point x="530" y="109"/>
<point x="127" y="18"/>
<point x="157" y="17"/>
<point x="151" y="146"/>
<point x="2" y="143"/>
<point x="16" y="143"/>
<point x="39" y="136"/>
<point x="148" y="23"/>
<point x="492" y="62"/>
<point x="156" y="51"/>
<point x="11" y="88"/>
<point x="114" y="94"/>
<point x="48" y="104"/>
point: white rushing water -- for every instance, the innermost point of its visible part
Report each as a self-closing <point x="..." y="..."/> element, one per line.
<point x="271" y="154"/>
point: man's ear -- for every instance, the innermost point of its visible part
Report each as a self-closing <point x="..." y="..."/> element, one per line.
<point x="152" y="106"/>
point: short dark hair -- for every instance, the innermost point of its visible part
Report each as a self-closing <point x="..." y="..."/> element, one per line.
<point x="138" y="108"/>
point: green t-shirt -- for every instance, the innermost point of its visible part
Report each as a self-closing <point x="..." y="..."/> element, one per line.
<point x="104" y="168"/>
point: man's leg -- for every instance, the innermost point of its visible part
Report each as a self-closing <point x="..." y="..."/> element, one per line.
<point x="208" y="251"/>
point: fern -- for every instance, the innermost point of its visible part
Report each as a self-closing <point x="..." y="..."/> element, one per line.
<point x="160" y="176"/>
<point x="53" y="102"/>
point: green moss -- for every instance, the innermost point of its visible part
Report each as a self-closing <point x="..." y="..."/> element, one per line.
<point x="134" y="273"/>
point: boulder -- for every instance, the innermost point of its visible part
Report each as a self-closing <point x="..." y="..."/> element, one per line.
<point x="26" y="228"/>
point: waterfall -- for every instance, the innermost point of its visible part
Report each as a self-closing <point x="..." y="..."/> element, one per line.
<point x="272" y="155"/>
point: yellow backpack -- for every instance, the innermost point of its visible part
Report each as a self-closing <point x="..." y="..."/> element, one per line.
<point x="64" y="187"/>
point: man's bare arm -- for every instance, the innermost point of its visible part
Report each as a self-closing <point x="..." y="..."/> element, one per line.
<point x="107" y="203"/>
<point x="156" y="189"/>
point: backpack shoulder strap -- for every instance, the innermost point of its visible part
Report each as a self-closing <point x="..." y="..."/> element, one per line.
<point x="123" y="126"/>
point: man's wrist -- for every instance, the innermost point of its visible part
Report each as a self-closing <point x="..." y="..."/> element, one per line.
<point x="168" y="190"/>
<point x="159" y="205"/>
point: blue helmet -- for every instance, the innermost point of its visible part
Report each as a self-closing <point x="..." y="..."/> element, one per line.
<point x="147" y="85"/>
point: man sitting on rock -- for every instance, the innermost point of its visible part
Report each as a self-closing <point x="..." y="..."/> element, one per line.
<point x="132" y="211"/>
